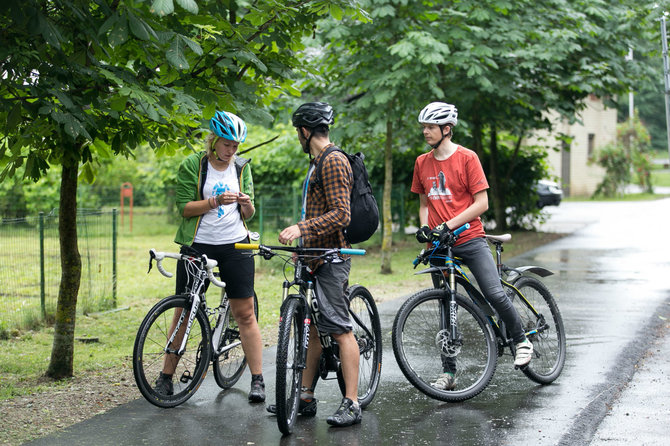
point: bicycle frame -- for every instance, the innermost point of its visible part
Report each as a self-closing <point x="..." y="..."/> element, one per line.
<point x="200" y="270"/>
<point x="453" y="275"/>
<point x="306" y="294"/>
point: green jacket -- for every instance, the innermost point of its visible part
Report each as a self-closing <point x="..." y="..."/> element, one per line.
<point x="191" y="178"/>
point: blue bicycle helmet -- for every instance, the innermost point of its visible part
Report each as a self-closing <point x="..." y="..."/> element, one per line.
<point x="229" y="126"/>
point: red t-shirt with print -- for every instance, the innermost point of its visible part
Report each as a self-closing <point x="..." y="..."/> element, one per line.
<point x="450" y="186"/>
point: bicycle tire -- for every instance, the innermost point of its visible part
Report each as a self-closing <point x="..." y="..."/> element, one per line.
<point x="549" y="344"/>
<point x="229" y="365"/>
<point x="290" y="363"/>
<point x="149" y="352"/>
<point x="416" y="335"/>
<point x="368" y="333"/>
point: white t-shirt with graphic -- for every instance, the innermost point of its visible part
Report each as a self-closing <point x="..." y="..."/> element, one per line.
<point x="222" y="224"/>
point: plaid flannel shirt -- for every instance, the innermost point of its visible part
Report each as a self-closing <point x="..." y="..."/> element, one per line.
<point x="327" y="211"/>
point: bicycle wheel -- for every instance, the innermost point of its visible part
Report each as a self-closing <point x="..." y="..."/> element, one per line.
<point x="545" y="330"/>
<point x="367" y="330"/>
<point x="150" y="357"/>
<point x="229" y="365"/>
<point x="290" y="363"/>
<point x="424" y="348"/>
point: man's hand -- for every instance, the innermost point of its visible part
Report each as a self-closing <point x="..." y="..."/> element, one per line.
<point x="423" y="234"/>
<point x="441" y="232"/>
<point x="289" y="234"/>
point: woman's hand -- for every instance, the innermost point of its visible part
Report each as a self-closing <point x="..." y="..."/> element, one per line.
<point x="243" y="199"/>
<point x="227" y="198"/>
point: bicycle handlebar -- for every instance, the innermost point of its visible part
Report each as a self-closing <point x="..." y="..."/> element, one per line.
<point x="267" y="248"/>
<point x="210" y="264"/>
<point x="423" y="256"/>
<point x="458" y="231"/>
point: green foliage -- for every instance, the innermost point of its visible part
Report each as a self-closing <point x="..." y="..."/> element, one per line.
<point x="280" y="162"/>
<point x="504" y="64"/>
<point x="522" y="170"/>
<point x="616" y="161"/>
<point x="630" y="150"/>
<point x="634" y="136"/>
<point x="83" y="82"/>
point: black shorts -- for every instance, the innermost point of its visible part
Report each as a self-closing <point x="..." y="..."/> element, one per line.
<point x="236" y="268"/>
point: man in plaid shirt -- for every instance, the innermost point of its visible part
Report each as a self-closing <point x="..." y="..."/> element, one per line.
<point x="325" y="213"/>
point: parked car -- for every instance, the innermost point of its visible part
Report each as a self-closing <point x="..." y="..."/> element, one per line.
<point x="549" y="193"/>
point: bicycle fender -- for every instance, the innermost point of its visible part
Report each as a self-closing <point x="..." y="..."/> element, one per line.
<point x="516" y="273"/>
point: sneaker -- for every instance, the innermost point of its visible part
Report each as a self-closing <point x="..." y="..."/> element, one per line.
<point x="524" y="352"/>
<point x="305" y="408"/>
<point x="163" y="385"/>
<point x="445" y="382"/>
<point x="347" y="414"/>
<point x="257" y="393"/>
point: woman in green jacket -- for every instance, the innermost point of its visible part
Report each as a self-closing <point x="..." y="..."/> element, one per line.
<point x="215" y="196"/>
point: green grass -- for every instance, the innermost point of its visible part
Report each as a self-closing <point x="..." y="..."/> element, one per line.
<point x="660" y="177"/>
<point x="25" y="356"/>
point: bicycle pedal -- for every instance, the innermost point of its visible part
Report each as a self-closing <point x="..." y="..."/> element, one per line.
<point x="185" y="377"/>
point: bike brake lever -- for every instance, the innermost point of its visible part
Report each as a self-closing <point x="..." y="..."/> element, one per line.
<point x="152" y="256"/>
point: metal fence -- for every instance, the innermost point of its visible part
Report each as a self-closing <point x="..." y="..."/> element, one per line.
<point x="30" y="267"/>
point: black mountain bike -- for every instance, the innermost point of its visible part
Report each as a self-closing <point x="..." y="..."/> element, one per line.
<point x="179" y="329"/>
<point x="452" y="326"/>
<point x="297" y="310"/>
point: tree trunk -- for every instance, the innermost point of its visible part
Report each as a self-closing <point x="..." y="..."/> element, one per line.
<point x="497" y="193"/>
<point x="62" y="353"/>
<point x="387" y="219"/>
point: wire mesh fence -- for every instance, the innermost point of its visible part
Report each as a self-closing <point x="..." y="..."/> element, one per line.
<point x="30" y="267"/>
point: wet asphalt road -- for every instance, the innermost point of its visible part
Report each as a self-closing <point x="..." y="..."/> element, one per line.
<point x="612" y="287"/>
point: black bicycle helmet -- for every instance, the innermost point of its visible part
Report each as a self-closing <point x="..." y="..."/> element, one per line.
<point x="312" y="114"/>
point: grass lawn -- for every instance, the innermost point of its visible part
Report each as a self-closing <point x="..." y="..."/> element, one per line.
<point x="25" y="356"/>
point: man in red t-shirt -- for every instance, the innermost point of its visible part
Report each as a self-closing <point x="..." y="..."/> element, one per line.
<point x="452" y="187"/>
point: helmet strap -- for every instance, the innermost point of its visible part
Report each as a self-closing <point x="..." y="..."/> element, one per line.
<point x="306" y="148"/>
<point x="211" y="147"/>
<point x="437" y="144"/>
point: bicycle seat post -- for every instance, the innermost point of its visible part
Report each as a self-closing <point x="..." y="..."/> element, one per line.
<point x="499" y="250"/>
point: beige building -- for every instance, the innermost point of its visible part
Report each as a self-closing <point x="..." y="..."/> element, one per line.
<point x="595" y="128"/>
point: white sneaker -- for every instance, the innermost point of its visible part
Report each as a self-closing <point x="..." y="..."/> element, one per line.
<point x="524" y="353"/>
<point x="445" y="382"/>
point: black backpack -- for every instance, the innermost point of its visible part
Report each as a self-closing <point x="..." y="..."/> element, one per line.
<point x="364" y="210"/>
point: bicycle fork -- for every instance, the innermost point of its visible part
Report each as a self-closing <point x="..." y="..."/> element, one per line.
<point x="191" y="316"/>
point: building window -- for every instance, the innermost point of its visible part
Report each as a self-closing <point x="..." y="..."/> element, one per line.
<point x="592" y="145"/>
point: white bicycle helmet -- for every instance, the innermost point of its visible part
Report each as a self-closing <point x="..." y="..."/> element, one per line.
<point x="229" y="126"/>
<point x="439" y="113"/>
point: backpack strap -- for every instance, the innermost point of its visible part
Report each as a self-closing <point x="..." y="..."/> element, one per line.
<point x="319" y="166"/>
<point x="203" y="173"/>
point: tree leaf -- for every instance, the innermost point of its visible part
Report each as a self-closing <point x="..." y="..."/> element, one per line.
<point x="336" y="12"/>
<point x="137" y="27"/>
<point x="194" y="46"/>
<point x="162" y="7"/>
<point x="189" y="5"/>
<point x="175" y="54"/>
<point x="50" y="33"/>
<point x="14" y="116"/>
<point x="119" y="33"/>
